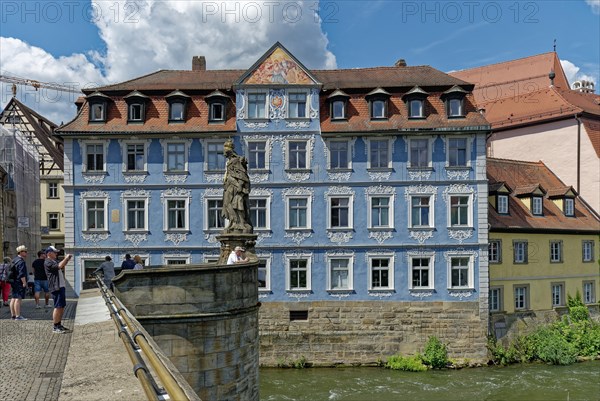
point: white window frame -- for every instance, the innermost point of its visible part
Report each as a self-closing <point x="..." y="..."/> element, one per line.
<point x="470" y="273"/>
<point x="207" y="199"/>
<point x="389" y="142"/>
<point x="502" y="201"/>
<point x="589" y="293"/>
<point x="125" y="150"/>
<point x="569" y="207"/>
<point x="186" y="259"/>
<point x="298" y="256"/>
<point x="469" y="210"/>
<point x="57" y="221"/>
<point x="168" y="198"/>
<point x="267" y="155"/>
<point x="104" y="111"/>
<point x="391" y="207"/>
<point x="587" y="250"/>
<point x="146" y="201"/>
<point x="257" y="92"/>
<point x="526" y="298"/>
<point x="558" y="294"/>
<point x="429" y="141"/>
<point x="537" y="205"/>
<point x="346" y="256"/>
<point x="410" y="108"/>
<point x="344" y="106"/>
<point x="525" y="258"/>
<point x="308" y="212"/>
<point x="219" y="144"/>
<point x="348" y="155"/>
<point x="85" y="212"/>
<point x="308" y="155"/>
<point x="391" y="267"/>
<point x="461" y="107"/>
<point x="384" y="109"/>
<point x="84" y="166"/>
<point x="306" y="103"/>
<point x="182" y="116"/>
<point x="53" y="190"/>
<point x="467" y="151"/>
<point x="350" y="211"/>
<point x="498" y="259"/>
<point x="268" y="262"/>
<point x="499" y="297"/>
<point x="556" y="251"/>
<point x="130" y="112"/>
<point x="267" y="200"/>
<point x="423" y="255"/>
<point x="211" y="111"/>
<point x="431" y="211"/>
<point x="186" y="150"/>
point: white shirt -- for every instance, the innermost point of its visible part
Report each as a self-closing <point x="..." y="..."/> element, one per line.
<point x="233" y="258"/>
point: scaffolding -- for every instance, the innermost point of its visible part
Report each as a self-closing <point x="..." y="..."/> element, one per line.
<point x="22" y="204"/>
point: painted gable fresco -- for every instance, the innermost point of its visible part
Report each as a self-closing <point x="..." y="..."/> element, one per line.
<point x="279" y="68"/>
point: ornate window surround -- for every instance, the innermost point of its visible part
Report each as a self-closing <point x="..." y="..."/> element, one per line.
<point x="176" y="255"/>
<point x="410" y="255"/>
<point x="268" y="258"/>
<point x="430" y="141"/>
<point x="134" y="141"/>
<point x="263" y="193"/>
<point x="470" y="143"/>
<point x="288" y="256"/>
<point x="298" y="192"/>
<point x="83" y="150"/>
<point x="390" y="145"/>
<point x="174" y="139"/>
<point x="84" y="197"/>
<point x="383" y="254"/>
<point x="341" y="254"/>
<point x="340" y="192"/>
<point x="176" y="194"/>
<point x="380" y="191"/>
<point x="461" y="253"/>
<point x="459" y="190"/>
<point x="135" y="194"/>
<point x="210" y="194"/>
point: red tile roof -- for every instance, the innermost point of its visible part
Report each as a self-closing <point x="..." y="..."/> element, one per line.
<point x="523" y="174"/>
<point x="198" y="83"/>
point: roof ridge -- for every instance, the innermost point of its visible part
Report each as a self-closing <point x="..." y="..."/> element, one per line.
<point x="129" y="80"/>
<point x="564" y="99"/>
<point x="507" y="62"/>
<point x="390" y="67"/>
<point x="498" y="159"/>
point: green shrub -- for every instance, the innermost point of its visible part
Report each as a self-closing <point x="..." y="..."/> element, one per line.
<point x="300" y="363"/>
<point x="577" y="301"/>
<point x="435" y="353"/>
<point x="552" y="347"/>
<point x="500" y="355"/>
<point x="579" y="313"/>
<point x="406" y="363"/>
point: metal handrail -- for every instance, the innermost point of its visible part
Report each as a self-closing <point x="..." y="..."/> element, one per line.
<point x="136" y="342"/>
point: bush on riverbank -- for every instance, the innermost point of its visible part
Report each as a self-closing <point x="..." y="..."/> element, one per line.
<point x="559" y="343"/>
<point x="435" y="356"/>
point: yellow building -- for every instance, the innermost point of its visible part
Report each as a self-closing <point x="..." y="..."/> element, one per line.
<point x="543" y="243"/>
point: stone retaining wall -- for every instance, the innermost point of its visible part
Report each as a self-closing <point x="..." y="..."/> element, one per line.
<point x="352" y="333"/>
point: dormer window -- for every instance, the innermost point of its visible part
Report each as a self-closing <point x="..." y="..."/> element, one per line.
<point x="338" y="100"/>
<point x="454" y="98"/>
<point x="177" y="106"/>
<point x="502" y="207"/>
<point x="217" y="106"/>
<point x="98" y="104"/>
<point x="136" y="106"/>
<point x="297" y="105"/>
<point x="378" y="101"/>
<point x="536" y="206"/>
<point x="415" y="102"/>
<point x="415" y="108"/>
<point x="569" y="207"/>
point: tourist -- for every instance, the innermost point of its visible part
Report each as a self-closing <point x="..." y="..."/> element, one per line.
<point x="19" y="285"/>
<point x="127" y="263"/>
<point x="40" y="280"/>
<point x="108" y="271"/>
<point x="237" y="256"/>
<point x="138" y="263"/>
<point x="4" y="284"/>
<point x="56" y="284"/>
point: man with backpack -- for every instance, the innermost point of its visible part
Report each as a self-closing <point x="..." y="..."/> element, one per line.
<point x="4" y="284"/>
<point x="19" y="284"/>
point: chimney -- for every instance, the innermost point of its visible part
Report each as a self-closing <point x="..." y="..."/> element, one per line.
<point x="400" y="63"/>
<point x="198" y="63"/>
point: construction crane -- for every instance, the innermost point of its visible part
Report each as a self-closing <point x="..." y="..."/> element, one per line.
<point x="14" y="80"/>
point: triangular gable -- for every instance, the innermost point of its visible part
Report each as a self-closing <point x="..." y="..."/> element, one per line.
<point x="277" y="67"/>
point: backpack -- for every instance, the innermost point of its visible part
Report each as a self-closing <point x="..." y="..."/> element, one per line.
<point x="12" y="272"/>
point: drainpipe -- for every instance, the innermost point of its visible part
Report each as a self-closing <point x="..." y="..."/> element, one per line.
<point x="578" y="153"/>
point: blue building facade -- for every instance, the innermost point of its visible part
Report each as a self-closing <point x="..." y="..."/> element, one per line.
<point x="369" y="194"/>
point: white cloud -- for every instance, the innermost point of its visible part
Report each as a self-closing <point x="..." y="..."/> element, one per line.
<point x="595" y="4"/>
<point x="150" y="35"/>
<point x="574" y="73"/>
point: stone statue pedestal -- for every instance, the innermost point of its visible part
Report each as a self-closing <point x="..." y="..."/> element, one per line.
<point x="231" y="240"/>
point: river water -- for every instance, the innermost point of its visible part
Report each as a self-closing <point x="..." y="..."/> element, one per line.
<point x="533" y="382"/>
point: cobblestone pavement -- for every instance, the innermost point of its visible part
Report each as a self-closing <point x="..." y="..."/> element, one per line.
<point x="33" y="358"/>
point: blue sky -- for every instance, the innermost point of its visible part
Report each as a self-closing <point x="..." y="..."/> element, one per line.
<point x="113" y="40"/>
